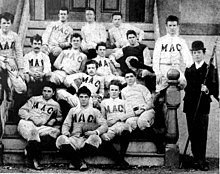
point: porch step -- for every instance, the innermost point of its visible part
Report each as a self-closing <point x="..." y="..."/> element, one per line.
<point x="52" y="157"/>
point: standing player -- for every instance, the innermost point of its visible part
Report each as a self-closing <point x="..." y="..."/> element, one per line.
<point x="69" y="61"/>
<point x="170" y="51"/>
<point x="39" y="124"/>
<point x="81" y="130"/>
<point x="11" y="58"/>
<point x="36" y="65"/>
<point x="92" y="33"/>
<point x="57" y="35"/>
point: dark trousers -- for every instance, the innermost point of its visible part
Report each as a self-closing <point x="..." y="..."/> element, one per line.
<point x="198" y="134"/>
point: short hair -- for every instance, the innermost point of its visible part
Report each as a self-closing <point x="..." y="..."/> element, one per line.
<point x="172" y="18"/>
<point x="50" y="85"/>
<point x="92" y="62"/>
<point x="130" y="71"/>
<point x="64" y="9"/>
<point x="116" y="83"/>
<point x="117" y="14"/>
<point x="91" y="9"/>
<point x="100" y="44"/>
<point x="36" y="37"/>
<point x="7" y="16"/>
<point x="76" y="35"/>
<point x="84" y="90"/>
<point x="131" y="32"/>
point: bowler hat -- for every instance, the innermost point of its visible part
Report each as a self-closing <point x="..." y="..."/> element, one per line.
<point x="198" y="45"/>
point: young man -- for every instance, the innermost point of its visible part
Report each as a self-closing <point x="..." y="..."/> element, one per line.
<point x="105" y="66"/>
<point x="138" y="101"/>
<point x="198" y="124"/>
<point x="92" y="33"/>
<point x="113" y="110"/>
<point x="57" y="35"/>
<point x="69" y="61"/>
<point x="81" y="130"/>
<point x="91" y="80"/>
<point x="135" y="57"/>
<point x="11" y="58"/>
<point x="118" y="32"/>
<point x="36" y="65"/>
<point x="170" y="51"/>
<point x="39" y="124"/>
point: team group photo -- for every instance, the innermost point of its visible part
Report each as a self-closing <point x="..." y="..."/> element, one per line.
<point x="117" y="84"/>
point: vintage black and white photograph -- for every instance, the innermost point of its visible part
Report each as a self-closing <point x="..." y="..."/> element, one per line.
<point x="109" y="86"/>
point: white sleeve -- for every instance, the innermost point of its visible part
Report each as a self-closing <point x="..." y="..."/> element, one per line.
<point x="46" y="34"/>
<point x="26" y="64"/>
<point x="147" y="57"/>
<point x="47" y="64"/>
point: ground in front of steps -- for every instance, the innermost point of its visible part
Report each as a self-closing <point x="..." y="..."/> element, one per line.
<point x="213" y="162"/>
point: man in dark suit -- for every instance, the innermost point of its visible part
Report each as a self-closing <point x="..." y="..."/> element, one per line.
<point x="198" y="124"/>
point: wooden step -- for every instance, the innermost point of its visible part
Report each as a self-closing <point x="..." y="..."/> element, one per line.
<point x="10" y="129"/>
<point x="147" y="159"/>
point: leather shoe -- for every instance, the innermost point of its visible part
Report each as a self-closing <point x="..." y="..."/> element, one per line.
<point x="37" y="165"/>
<point x="83" y="167"/>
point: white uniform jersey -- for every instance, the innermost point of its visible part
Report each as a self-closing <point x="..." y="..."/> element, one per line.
<point x="70" y="60"/>
<point x="93" y="34"/>
<point x="136" y="95"/>
<point x="171" y="52"/>
<point x="39" y="62"/>
<point x="84" y="119"/>
<point x="104" y="66"/>
<point x="94" y="83"/>
<point x="113" y="107"/>
<point x="39" y="110"/>
<point x="10" y="47"/>
<point x="56" y="33"/>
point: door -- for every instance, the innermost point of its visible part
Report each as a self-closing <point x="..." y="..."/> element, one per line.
<point x="132" y="10"/>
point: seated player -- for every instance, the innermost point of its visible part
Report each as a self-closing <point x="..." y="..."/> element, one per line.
<point x="91" y="80"/>
<point x="113" y="109"/>
<point x="69" y="61"/>
<point x="138" y="101"/>
<point x="117" y="33"/>
<point x="57" y="35"/>
<point x="36" y="65"/>
<point x="39" y="124"/>
<point x="92" y="33"/>
<point x="135" y="57"/>
<point x="105" y="66"/>
<point x="81" y="130"/>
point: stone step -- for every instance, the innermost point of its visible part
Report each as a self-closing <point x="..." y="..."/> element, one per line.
<point x="51" y="157"/>
<point x="15" y="142"/>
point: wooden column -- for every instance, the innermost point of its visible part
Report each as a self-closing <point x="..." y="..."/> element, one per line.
<point x="172" y="99"/>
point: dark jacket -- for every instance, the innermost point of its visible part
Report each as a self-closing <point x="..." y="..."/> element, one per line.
<point x="195" y="77"/>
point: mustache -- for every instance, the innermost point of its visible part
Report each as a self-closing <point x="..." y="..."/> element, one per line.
<point x="37" y="48"/>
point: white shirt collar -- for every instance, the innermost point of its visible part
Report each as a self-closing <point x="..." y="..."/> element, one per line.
<point x="198" y="65"/>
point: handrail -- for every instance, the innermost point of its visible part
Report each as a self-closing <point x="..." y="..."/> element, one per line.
<point x="156" y="22"/>
<point x="25" y="18"/>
